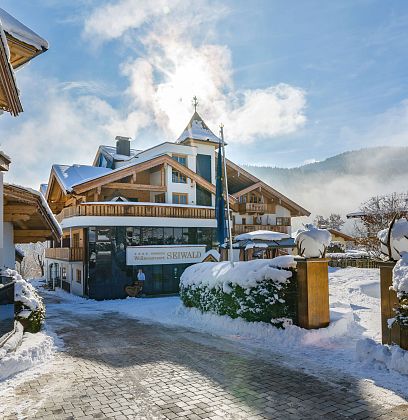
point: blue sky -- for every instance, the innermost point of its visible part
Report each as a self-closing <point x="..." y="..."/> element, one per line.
<point x="292" y="81"/>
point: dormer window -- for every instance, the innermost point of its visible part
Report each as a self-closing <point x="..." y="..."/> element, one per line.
<point x="180" y="159"/>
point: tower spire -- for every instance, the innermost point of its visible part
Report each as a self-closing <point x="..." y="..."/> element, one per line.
<point x="195" y="103"/>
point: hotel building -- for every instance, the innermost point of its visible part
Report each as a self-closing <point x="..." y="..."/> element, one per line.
<point x="151" y="209"/>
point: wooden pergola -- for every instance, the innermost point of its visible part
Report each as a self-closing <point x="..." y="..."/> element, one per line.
<point x="31" y="218"/>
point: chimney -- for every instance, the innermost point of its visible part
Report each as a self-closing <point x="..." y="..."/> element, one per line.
<point x="123" y="145"/>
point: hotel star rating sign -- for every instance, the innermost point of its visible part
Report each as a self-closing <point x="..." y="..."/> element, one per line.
<point x="165" y="254"/>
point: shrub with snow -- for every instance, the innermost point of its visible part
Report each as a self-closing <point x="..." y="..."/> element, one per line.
<point x="400" y="285"/>
<point x="312" y="242"/>
<point x="30" y="310"/>
<point x="258" y="290"/>
<point x="398" y="239"/>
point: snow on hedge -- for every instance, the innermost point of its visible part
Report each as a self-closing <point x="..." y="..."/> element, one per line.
<point x="24" y="292"/>
<point x="391" y="357"/>
<point x="398" y="240"/>
<point x="244" y="273"/>
<point x="252" y="290"/>
<point x="312" y="242"/>
<point x="400" y="275"/>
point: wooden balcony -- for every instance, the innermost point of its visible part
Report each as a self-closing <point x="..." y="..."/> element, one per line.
<point x="260" y="208"/>
<point x="142" y="210"/>
<point x="238" y="229"/>
<point x="65" y="254"/>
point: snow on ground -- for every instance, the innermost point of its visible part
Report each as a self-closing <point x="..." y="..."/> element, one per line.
<point x="355" y="316"/>
<point x="34" y="350"/>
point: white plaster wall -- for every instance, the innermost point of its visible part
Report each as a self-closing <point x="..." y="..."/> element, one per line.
<point x="155" y="178"/>
<point x="76" y="288"/>
<point x="282" y="211"/>
<point x="7" y="252"/>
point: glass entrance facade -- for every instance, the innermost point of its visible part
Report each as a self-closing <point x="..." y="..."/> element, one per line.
<point x="107" y="273"/>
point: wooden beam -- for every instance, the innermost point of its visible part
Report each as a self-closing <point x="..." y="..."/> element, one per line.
<point x="32" y="233"/>
<point x="140" y="187"/>
<point x="16" y="217"/>
<point x="20" y="208"/>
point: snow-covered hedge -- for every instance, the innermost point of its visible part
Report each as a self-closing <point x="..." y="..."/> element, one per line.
<point x="400" y="285"/>
<point x="258" y="290"/>
<point x="312" y="242"/>
<point x="30" y="310"/>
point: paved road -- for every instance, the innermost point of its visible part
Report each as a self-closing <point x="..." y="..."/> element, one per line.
<point x="115" y="367"/>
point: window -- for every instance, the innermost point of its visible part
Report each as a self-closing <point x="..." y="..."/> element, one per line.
<point x="179" y="198"/>
<point x="160" y="198"/>
<point x="63" y="273"/>
<point x="203" y="197"/>
<point x="178" y="177"/>
<point x="180" y="159"/>
<point x="283" y="221"/>
<point x="78" y="276"/>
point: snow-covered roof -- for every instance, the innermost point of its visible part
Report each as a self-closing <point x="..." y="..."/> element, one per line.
<point x="43" y="189"/>
<point x="111" y="151"/>
<point x="21" y="32"/>
<point x="76" y="174"/>
<point x="262" y="235"/>
<point x="197" y="129"/>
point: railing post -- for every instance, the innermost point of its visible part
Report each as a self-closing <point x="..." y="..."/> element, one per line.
<point x="313" y="293"/>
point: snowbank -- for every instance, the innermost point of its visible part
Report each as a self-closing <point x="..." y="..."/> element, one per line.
<point x="312" y="242"/>
<point x="34" y="349"/>
<point x="245" y="274"/>
<point x="399" y="239"/>
<point x="382" y="357"/>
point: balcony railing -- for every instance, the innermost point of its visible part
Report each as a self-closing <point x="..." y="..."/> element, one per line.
<point x="134" y="210"/>
<point x="238" y="229"/>
<point x="66" y="254"/>
<point x="256" y="208"/>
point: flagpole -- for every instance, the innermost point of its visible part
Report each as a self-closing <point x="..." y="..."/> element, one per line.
<point x="227" y="194"/>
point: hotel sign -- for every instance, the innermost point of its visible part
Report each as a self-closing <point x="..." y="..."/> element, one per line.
<point x="164" y="254"/>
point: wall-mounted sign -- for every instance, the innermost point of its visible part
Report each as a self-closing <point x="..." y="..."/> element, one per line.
<point x="164" y="254"/>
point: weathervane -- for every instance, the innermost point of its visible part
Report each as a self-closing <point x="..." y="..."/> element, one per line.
<point x="195" y="103"/>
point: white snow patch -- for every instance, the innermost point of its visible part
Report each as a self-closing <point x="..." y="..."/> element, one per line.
<point x="244" y="273"/>
<point x="262" y="235"/>
<point x="312" y="241"/>
<point x="382" y="357"/>
<point x="34" y="349"/>
<point x="398" y="240"/>
<point x="400" y="275"/>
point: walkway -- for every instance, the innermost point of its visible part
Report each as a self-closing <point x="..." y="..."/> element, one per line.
<point x="115" y="367"/>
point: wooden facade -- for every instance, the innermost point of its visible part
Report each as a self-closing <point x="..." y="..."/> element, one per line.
<point x="135" y="210"/>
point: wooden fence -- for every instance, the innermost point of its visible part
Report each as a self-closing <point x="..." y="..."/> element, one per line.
<point x="354" y="262"/>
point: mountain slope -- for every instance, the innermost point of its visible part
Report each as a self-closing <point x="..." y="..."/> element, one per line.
<point x="340" y="183"/>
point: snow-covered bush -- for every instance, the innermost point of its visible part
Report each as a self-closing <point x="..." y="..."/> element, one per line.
<point x="312" y="242"/>
<point x="397" y="241"/>
<point x="30" y="309"/>
<point x="254" y="290"/>
<point x="400" y="285"/>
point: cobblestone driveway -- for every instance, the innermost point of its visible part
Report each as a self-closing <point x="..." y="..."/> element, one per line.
<point x="114" y="367"/>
